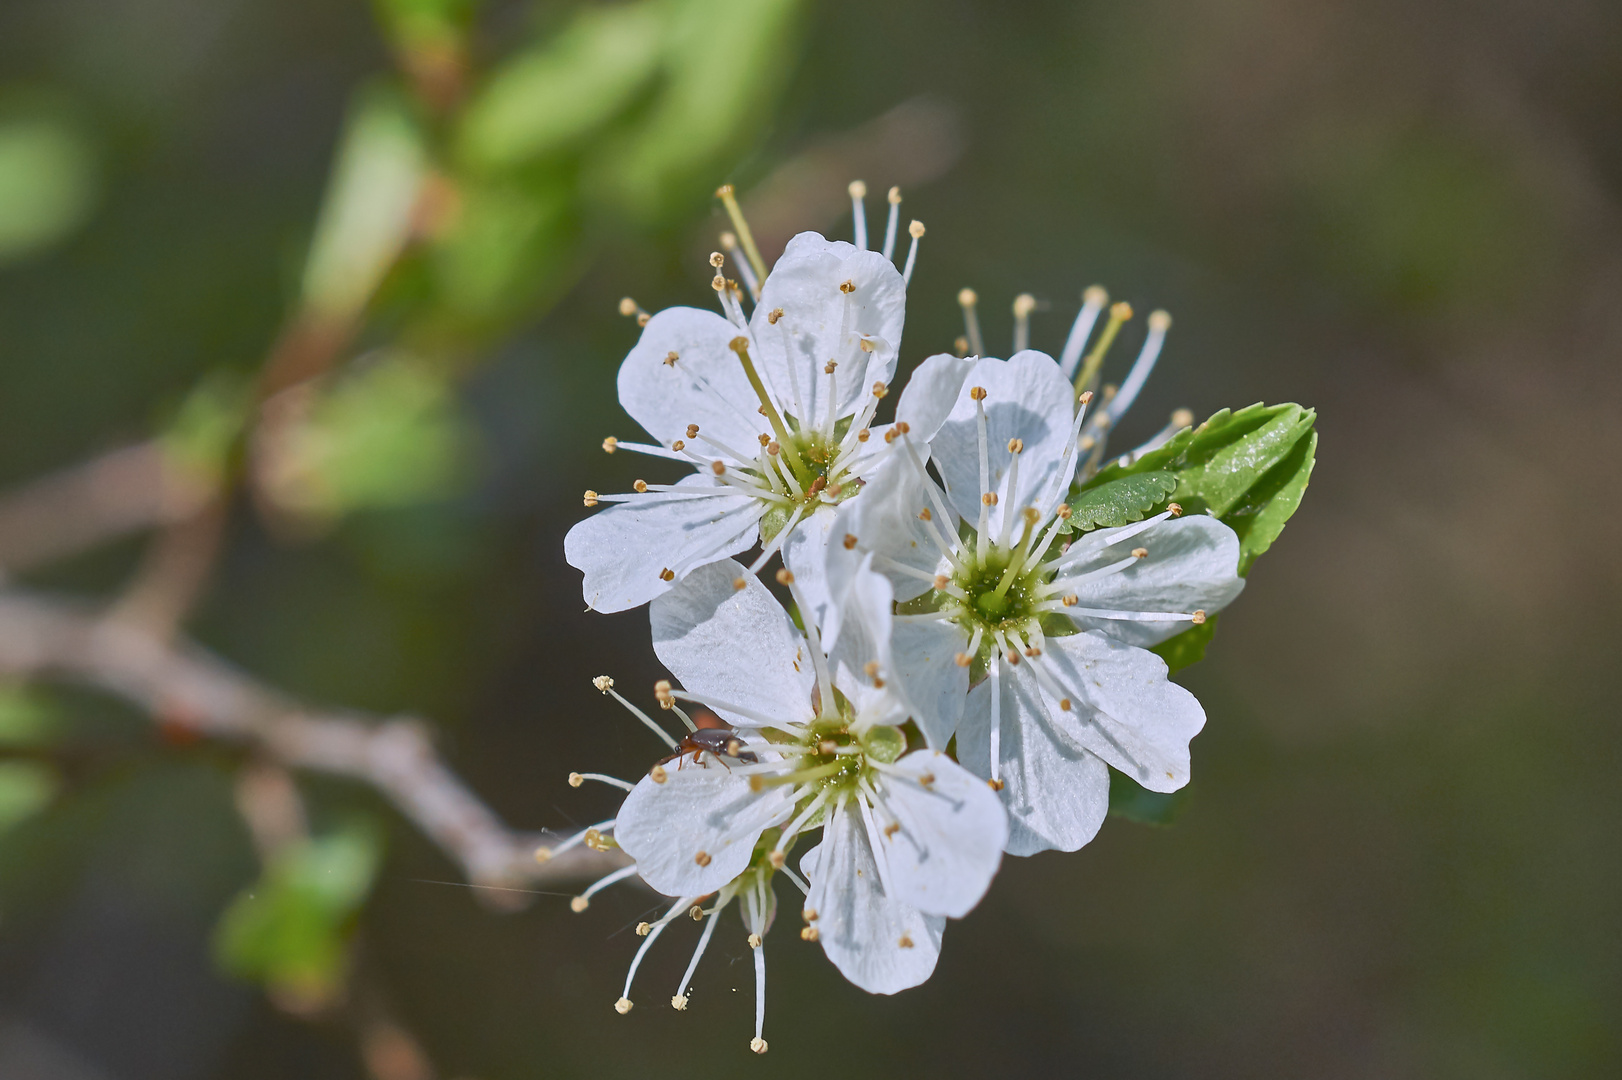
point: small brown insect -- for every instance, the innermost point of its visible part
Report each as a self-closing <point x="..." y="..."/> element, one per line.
<point x="720" y="742"/>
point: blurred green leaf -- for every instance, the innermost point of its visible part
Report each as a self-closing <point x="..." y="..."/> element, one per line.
<point x="207" y="424"/>
<point x="509" y="243"/>
<point x="26" y="787"/>
<point x="1119" y="502"/>
<point x="560" y="90"/>
<point x="417" y="23"/>
<point x="387" y="433"/>
<point x="370" y="204"/>
<point x="25" y="719"/>
<point x="47" y="183"/>
<point x="725" y="60"/>
<point x="290" y="929"/>
<point x="1129" y="800"/>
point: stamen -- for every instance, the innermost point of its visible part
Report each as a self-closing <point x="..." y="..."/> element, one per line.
<point x="757" y="922"/>
<point x="858" y="192"/>
<point x="1093" y="301"/>
<point x="730" y="200"/>
<point x="584" y="899"/>
<point x="1159" y="323"/>
<point x="729" y="241"/>
<point x="543" y="854"/>
<point x="982" y="542"/>
<point x="727" y="706"/>
<point x="967" y="298"/>
<point x="578" y="778"/>
<point x="629" y="307"/>
<point x="650" y="449"/>
<point x="1024" y="304"/>
<point x="916" y="231"/>
<point x="895" y="219"/>
<point x="649" y="937"/>
<point x="1118" y="314"/>
<point x="740" y="345"/>
<point x="703" y="943"/>
<point x="606" y="685"/>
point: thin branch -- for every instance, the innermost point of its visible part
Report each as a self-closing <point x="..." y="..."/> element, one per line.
<point x="125" y="491"/>
<point x="179" y="683"/>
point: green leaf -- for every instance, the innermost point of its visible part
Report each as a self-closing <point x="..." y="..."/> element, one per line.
<point x="1219" y="461"/>
<point x="1247" y="468"/>
<point x="367" y="215"/>
<point x="25" y="789"/>
<point x="1129" y="800"/>
<point x="1188" y="647"/>
<point x="1261" y="514"/>
<point x="25" y="719"/>
<point x="1119" y="502"/>
<point x="551" y="96"/>
<point x="290" y="929"/>
<point x="48" y="182"/>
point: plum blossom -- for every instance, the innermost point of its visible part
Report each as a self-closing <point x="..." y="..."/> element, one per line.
<point x="909" y="837"/>
<point x="1055" y="637"/>
<point x="772" y="412"/>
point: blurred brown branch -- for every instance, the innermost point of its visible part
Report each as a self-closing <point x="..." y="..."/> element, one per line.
<point x="186" y="688"/>
<point x="127" y="490"/>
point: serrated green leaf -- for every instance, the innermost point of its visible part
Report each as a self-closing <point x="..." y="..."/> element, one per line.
<point x="1120" y="502"/>
<point x="1129" y="800"/>
<point x="1247" y="468"/>
<point x="1188" y="647"/>
<point x="1263" y="511"/>
<point x="290" y="929"/>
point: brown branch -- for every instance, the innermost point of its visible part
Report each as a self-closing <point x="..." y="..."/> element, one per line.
<point x="124" y="491"/>
<point x="181" y="685"/>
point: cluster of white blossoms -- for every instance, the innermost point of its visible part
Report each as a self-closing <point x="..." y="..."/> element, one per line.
<point x="963" y="665"/>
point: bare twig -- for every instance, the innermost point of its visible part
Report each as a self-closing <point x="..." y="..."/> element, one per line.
<point x="180" y="684"/>
<point x="124" y="491"/>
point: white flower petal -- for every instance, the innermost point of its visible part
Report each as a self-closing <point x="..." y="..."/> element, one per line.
<point x="735" y="645"/>
<point x="705" y="386"/>
<point x="1028" y="399"/>
<point x="1123" y="708"/>
<point x="1192" y="565"/>
<point x="924" y="659"/>
<point x="885" y="519"/>
<point x="820" y="322"/>
<point x="866" y="619"/>
<point x="623" y="549"/>
<point x="931" y="392"/>
<point x="696" y="831"/>
<point x="1056" y="795"/>
<point x="950" y="843"/>
<point x="860" y="926"/>
<point x="805" y="555"/>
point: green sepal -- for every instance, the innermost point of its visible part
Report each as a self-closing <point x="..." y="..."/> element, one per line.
<point x="1130" y="800"/>
<point x="1261" y="514"/>
<point x="1118" y="502"/>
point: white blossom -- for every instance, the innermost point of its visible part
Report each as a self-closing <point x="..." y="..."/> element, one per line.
<point x="1055" y="635"/>
<point x="773" y="412"/>
<point x="909" y="838"/>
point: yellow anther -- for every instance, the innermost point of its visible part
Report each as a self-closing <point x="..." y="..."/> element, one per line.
<point x="1198" y="617"/>
<point x="696" y="913"/>
<point x="850" y="541"/>
<point x="754" y="941"/>
<point x="809" y="914"/>
<point x="963" y="659"/>
<point x="925" y="515"/>
<point x="575" y="779"/>
<point x="905" y="942"/>
<point x="847" y="286"/>
<point x="579" y="904"/>
<point x="916" y="229"/>
<point x="627" y="306"/>
<point x="643" y="929"/>
<point x="1140" y="553"/>
<point x="995" y="785"/>
<point x="773" y="315"/>
<point x="989" y="498"/>
<point x="1024" y="304"/>
<point x="1071" y="600"/>
<point x="1016" y="446"/>
<point x="718" y="467"/>
<point x="808" y="933"/>
<point x="603" y="683"/>
<point x="828" y="368"/>
<point x="702" y="858"/>
<point x="784" y="577"/>
<point x="590" y="498"/>
<point x="740" y="583"/>
<point x="1159" y="321"/>
<point x="671" y="357"/>
<point x="543" y="854"/>
<point x="1095" y="294"/>
<point x="1175" y="508"/>
<point x="718" y="282"/>
<point x="657" y="774"/>
<point x="941" y="581"/>
<point x="622" y="1006"/>
<point x="758" y="1045"/>
<point x="639" y="486"/>
<point x="977" y="393"/>
<point x="902" y="427"/>
<point x="1064" y="704"/>
<point x="895" y="196"/>
<point x="717" y="259"/>
<point x="967" y="297"/>
<point x="679" y="1003"/>
<point x="857" y="189"/>
<point x="777" y="859"/>
<point x="667" y="574"/>
<point x="863" y="435"/>
<point x="610" y="445"/>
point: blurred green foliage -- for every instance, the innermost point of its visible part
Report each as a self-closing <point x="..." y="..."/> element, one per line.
<point x="290" y="930"/>
<point x="48" y="177"/>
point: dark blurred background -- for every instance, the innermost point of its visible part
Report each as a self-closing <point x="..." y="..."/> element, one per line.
<point x="1398" y="855"/>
